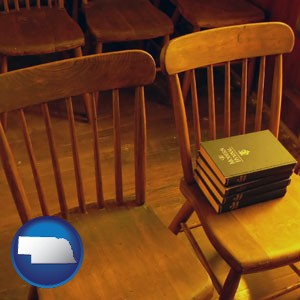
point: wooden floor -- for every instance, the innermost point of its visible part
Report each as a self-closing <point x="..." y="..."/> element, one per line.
<point x="163" y="174"/>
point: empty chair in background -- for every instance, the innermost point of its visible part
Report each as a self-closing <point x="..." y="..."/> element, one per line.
<point x="36" y="28"/>
<point x="125" y="21"/>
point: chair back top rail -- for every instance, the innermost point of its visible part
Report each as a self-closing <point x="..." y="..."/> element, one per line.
<point x="73" y="77"/>
<point x="219" y="45"/>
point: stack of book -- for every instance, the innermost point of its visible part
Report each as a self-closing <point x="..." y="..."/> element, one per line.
<point x="243" y="170"/>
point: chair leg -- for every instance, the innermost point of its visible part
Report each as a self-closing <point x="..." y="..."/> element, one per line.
<point x="75" y="10"/>
<point x="99" y="47"/>
<point x="86" y="96"/>
<point x="175" y="16"/>
<point x="32" y="294"/>
<point x="230" y="286"/>
<point x="4" y="69"/>
<point x="181" y="217"/>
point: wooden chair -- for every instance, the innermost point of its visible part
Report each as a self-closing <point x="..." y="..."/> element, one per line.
<point x="123" y="21"/>
<point x="37" y="29"/>
<point x="203" y="14"/>
<point x="259" y="237"/>
<point x="128" y="251"/>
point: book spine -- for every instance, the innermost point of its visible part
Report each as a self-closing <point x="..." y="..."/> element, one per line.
<point x="255" y="175"/>
<point x="205" y="172"/>
<point x="229" y="206"/>
<point x="246" y="195"/>
<point x="257" y="183"/>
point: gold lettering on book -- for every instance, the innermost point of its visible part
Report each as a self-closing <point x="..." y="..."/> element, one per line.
<point x="231" y="155"/>
<point x="244" y="152"/>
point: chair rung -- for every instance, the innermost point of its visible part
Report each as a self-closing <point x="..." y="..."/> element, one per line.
<point x="295" y="269"/>
<point x="192" y="227"/>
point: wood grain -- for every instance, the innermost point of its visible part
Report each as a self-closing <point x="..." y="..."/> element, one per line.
<point x="213" y="14"/>
<point x="127" y="258"/>
<point x="162" y="190"/>
<point x="128" y="252"/>
<point x="86" y="72"/>
<point x="226" y="44"/>
<point x="53" y="30"/>
<point x="255" y="244"/>
<point x="259" y="237"/>
<point x="118" y="21"/>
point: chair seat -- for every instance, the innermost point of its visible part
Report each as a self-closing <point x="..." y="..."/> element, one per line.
<point x="119" y="20"/>
<point x="216" y="13"/>
<point x="130" y="254"/>
<point x="38" y="31"/>
<point x="261" y="236"/>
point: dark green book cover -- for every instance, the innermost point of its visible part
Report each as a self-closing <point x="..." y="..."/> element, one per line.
<point x="242" y="158"/>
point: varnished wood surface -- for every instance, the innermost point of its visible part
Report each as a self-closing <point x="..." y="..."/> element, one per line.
<point x="137" y="249"/>
<point x="38" y="31"/>
<point x="123" y="259"/>
<point x="87" y="72"/>
<point x="226" y="44"/>
<point x="163" y="174"/>
<point x="214" y="13"/>
<point x="262" y="236"/>
<point x="128" y="20"/>
<point x="241" y="237"/>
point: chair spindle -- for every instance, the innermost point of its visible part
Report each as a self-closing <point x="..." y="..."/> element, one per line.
<point x="140" y="146"/>
<point x="61" y="3"/>
<point x="27" y="4"/>
<point x="211" y="103"/>
<point x="183" y="137"/>
<point x="75" y="154"/>
<point x="55" y="162"/>
<point x="98" y="176"/>
<point x="227" y="108"/>
<point x="276" y="96"/>
<point x="13" y="178"/>
<point x="260" y="94"/>
<point x="196" y="117"/>
<point x="243" y="107"/>
<point x="33" y="163"/>
<point x="117" y="147"/>
<point x="16" y="4"/>
<point x="6" y="5"/>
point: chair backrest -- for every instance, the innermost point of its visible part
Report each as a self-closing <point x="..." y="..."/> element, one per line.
<point x="224" y="46"/>
<point x="16" y="5"/>
<point x="39" y="85"/>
